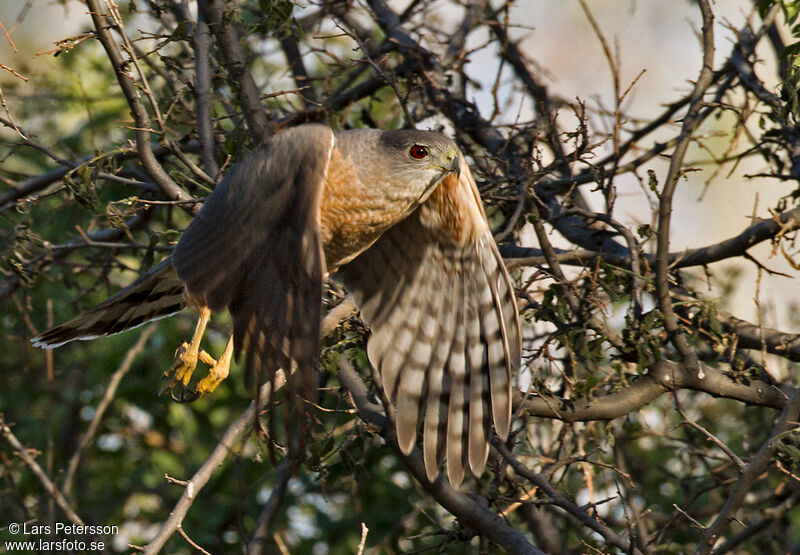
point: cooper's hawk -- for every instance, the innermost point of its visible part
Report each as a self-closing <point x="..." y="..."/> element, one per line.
<point x="397" y="216"/>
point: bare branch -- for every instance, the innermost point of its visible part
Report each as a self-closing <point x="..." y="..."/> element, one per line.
<point x="463" y="507"/>
<point x="202" y="38"/>
<point x="236" y="66"/>
<point x="270" y="511"/>
<point x="39" y="472"/>
<point x="663" y="377"/>
<point x="142" y="120"/>
<point x="108" y="396"/>
<point x="750" y="473"/>
<point x="690" y="123"/>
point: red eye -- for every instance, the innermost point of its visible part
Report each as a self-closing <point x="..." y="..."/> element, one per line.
<point x="418" y="151"/>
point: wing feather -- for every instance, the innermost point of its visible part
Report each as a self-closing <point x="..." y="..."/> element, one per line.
<point x="393" y="278"/>
<point x="396" y="338"/>
<point x="502" y="340"/>
<point x="438" y="392"/>
<point x="456" y="372"/>
<point x="480" y="427"/>
<point x="441" y="262"/>
<point x="255" y="249"/>
<point x="412" y="380"/>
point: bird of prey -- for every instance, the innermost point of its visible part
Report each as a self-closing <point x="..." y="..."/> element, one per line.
<point x="396" y="216"/>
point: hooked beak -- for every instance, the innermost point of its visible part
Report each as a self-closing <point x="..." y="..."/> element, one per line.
<point x="454" y="162"/>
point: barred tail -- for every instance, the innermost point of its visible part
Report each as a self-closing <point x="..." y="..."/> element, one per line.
<point x="157" y="294"/>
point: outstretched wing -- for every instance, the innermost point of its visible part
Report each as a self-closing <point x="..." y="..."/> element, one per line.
<point x="445" y="328"/>
<point x="255" y="249"/>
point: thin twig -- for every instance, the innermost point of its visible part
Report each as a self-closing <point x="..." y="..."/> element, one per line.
<point x="749" y="474"/>
<point x="559" y="500"/>
<point x="40" y="474"/>
<point x="8" y="37"/>
<point x="464" y="507"/>
<point x="690" y="123"/>
<point x="263" y="528"/>
<point x="108" y="396"/>
<point x="363" y="542"/>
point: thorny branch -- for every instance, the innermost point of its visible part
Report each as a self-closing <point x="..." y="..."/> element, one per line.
<point x="690" y="122"/>
<point x="466" y="509"/>
<point x="750" y="473"/>
<point x="141" y="118"/>
<point x="108" y="396"/>
<point x="22" y="452"/>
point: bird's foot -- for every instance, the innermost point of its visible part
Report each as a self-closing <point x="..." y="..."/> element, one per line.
<point x="178" y="376"/>
<point x="217" y="372"/>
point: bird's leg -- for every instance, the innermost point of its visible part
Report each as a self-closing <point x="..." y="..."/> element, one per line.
<point x="218" y="372"/>
<point x="187" y="355"/>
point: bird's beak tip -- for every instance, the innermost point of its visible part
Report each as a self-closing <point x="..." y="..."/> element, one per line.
<point x="455" y="162"/>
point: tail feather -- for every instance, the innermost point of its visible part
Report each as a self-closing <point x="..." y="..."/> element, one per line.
<point x="157" y="294"/>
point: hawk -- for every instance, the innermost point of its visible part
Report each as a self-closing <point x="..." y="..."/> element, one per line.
<point x="396" y="217"/>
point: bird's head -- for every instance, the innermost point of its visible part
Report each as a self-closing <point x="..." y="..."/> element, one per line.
<point x="421" y="155"/>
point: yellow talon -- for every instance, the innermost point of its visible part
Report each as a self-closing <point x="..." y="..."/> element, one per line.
<point x="182" y="369"/>
<point x="186" y="362"/>
<point x="218" y="372"/>
<point x="206" y="358"/>
<point x="186" y="358"/>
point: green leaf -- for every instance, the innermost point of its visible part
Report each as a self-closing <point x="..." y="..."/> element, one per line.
<point x="790" y="10"/>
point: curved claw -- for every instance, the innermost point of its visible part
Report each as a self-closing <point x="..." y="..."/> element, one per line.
<point x="181" y="370"/>
<point x="186" y="357"/>
<point x="186" y="396"/>
<point x="180" y="373"/>
<point x="218" y="371"/>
